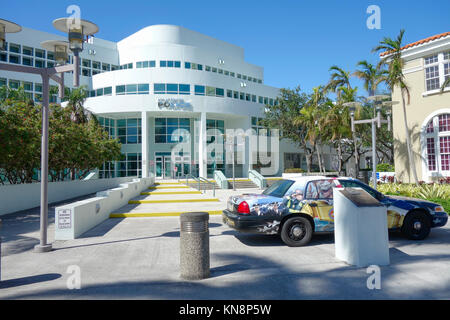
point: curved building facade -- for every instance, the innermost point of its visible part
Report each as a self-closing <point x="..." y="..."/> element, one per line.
<point x="163" y="82"/>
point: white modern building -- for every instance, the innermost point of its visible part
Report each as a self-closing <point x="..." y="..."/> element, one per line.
<point x="158" y="80"/>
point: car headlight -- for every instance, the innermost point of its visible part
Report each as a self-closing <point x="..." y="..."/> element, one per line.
<point x="439" y="209"/>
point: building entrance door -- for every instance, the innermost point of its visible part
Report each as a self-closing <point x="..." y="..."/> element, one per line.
<point x="163" y="167"/>
<point x="183" y="166"/>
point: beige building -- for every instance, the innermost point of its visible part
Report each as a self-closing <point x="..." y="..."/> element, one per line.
<point x="427" y="65"/>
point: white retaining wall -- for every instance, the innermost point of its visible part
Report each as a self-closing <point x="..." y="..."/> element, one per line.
<point x="74" y="219"/>
<point x="19" y="197"/>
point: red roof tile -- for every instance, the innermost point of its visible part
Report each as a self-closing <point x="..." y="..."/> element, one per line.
<point x="438" y="36"/>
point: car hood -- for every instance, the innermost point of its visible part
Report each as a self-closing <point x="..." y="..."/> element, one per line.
<point x="411" y="201"/>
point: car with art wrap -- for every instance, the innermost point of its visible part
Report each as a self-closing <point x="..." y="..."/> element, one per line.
<point x="297" y="208"/>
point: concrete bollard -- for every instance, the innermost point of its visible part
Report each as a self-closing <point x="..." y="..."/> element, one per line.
<point x="194" y="245"/>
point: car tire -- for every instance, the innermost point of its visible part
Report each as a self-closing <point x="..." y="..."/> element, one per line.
<point x="296" y="231"/>
<point x="416" y="226"/>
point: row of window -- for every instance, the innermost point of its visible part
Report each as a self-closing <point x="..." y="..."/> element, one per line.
<point x="32" y="90"/>
<point x="90" y="67"/>
<point x="437" y="70"/>
<point x="189" y="65"/>
<point x="183" y="89"/>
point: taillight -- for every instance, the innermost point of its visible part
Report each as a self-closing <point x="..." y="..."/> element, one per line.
<point x="243" y="208"/>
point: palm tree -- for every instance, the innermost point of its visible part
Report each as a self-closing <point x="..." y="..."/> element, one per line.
<point x="370" y="75"/>
<point x="396" y="79"/>
<point x="445" y="84"/>
<point x="75" y="101"/>
<point x="339" y="78"/>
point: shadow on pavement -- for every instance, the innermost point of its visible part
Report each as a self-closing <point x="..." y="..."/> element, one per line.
<point x="29" y="280"/>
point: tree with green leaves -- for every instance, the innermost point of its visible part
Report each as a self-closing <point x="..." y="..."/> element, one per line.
<point x="396" y="80"/>
<point x="280" y="116"/>
<point x="73" y="147"/>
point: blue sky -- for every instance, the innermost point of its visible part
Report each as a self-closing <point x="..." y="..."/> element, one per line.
<point x="296" y="41"/>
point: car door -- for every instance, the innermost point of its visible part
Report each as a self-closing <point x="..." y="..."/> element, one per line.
<point x="319" y="196"/>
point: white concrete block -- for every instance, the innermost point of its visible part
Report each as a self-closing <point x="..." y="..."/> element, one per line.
<point x="361" y="232"/>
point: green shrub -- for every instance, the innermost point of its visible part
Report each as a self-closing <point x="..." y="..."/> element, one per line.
<point x="385" y="167"/>
<point x="294" y="170"/>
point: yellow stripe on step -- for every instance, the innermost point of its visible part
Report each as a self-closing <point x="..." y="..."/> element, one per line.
<point x="156" y="214"/>
<point x="173" y="201"/>
<point x="172" y="187"/>
<point x="166" y="183"/>
<point x="174" y="192"/>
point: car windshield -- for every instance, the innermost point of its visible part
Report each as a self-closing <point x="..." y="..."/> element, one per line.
<point x="278" y="189"/>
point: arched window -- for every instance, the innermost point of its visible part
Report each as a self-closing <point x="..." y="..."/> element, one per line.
<point x="437" y="138"/>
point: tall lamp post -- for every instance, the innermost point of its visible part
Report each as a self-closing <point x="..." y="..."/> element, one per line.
<point x="76" y="30"/>
<point x="376" y="121"/>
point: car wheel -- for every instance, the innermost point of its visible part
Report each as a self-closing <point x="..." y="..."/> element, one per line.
<point x="416" y="226"/>
<point x="296" y="231"/>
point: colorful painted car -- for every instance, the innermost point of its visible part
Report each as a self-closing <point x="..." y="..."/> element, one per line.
<point x="296" y="209"/>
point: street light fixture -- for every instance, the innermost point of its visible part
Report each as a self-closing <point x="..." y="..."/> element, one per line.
<point x="7" y="27"/>
<point x="60" y="49"/>
<point x="378" y="100"/>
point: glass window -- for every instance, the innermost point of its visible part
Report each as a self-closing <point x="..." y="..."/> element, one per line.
<point x="50" y="64"/>
<point x="214" y="69"/>
<point x="131" y="88"/>
<point x="159" y="88"/>
<point x="86" y="63"/>
<point x="143" y="88"/>
<point x="172" y="88"/>
<point x="199" y="67"/>
<point x="99" y="92"/>
<point x="3" y="57"/>
<point x="185" y="89"/>
<point x="170" y="64"/>
<point x="28" y="86"/>
<point x="152" y="64"/>
<point x="177" y="64"/>
<point x="199" y="90"/>
<point x="96" y="65"/>
<point x="432" y="77"/>
<point x="108" y="91"/>
<point x="3" y="82"/>
<point x="27" y="61"/>
<point x="39" y="53"/>
<point x="14" y="48"/>
<point x="14" y="59"/>
<point x="145" y="64"/>
<point x="229" y="93"/>
<point x="120" y="90"/>
<point x="242" y="96"/>
<point x="431" y="59"/>
<point x="210" y="91"/>
<point x="14" y="84"/>
<point x="106" y="67"/>
<point x="220" y="92"/>
<point x="235" y="95"/>
<point x="253" y="98"/>
<point x="50" y="55"/>
<point x="27" y="51"/>
<point x="207" y="68"/>
<point x="163" y="64"/>
<point x="139" y="65"/>
<point x="187" y="65"/>
<point x="38" y="87"/>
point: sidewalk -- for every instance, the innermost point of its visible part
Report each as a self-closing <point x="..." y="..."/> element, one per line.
<point x="138" y="258"/>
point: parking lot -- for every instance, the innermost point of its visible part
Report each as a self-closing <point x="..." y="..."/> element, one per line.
<point x="139" y="259"/>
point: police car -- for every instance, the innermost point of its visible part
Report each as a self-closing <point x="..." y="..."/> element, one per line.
<point x="296" y="209"/>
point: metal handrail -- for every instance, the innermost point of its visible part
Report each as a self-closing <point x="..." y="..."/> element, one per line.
<point x="260" y="179"/>
<point x="209" y="182"/>
<point x="195" y="179"/>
